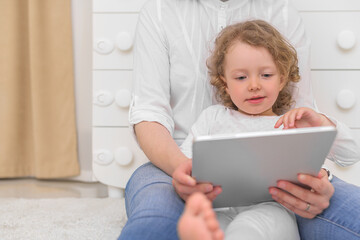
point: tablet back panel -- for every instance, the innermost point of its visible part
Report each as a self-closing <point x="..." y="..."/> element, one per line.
<point x="247" y="164"/>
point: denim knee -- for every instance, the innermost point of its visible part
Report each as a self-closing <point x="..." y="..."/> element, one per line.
<point x="152" y="205"/>
<point x="149" y="192"/>
<point x="146" y="174"/>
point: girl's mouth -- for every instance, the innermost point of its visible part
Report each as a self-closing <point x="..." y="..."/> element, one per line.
<point x="256" y="99"/>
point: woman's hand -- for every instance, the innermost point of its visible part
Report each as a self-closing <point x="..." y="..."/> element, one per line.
<point x="302" y="117"/>
<point x="304" y="202"/>
<point x="185" y="185"/>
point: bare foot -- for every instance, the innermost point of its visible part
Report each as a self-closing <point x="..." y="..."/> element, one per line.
<point x="198" y="222"/>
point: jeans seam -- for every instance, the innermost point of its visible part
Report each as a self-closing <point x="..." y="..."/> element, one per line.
<point x="155" y="216"/>
<point x="338" y="225"/>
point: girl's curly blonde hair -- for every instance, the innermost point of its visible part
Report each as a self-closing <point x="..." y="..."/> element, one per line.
<point x="256" y="33"/>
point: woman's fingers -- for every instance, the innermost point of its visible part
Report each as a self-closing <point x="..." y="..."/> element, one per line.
<point x="184" y="179"/>
<point x="185" y="185"/>
<point x="182" y="174"/>
<point x="295" y="204"/>
<point x="305" y="212"/>
<point x="213" y="194"/>
<point x="185" y="189"/>
<point x="320" y="185"/>
<point x="302" y="201"/>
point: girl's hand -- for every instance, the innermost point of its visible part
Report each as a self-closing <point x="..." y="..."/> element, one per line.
<point x="304" y="202"/>
<point x="185" y="185"/>
<point x="301" y="118"/>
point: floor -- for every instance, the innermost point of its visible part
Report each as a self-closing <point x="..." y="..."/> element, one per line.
<point x="33" y="188"/>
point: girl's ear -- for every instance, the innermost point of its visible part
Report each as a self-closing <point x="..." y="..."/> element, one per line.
<point x="223" y="79"/>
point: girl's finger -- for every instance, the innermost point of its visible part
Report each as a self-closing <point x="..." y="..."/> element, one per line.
<point x="279" y="122"/>
<point x="300" y="114"/>
<point x="292" y="118"/>
<point x="286" y="120"/>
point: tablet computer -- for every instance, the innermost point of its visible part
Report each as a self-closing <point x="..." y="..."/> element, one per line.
<point x="245" y="165"/>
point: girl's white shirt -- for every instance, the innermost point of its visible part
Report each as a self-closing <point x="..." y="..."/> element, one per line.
<point x="218" y="119"/>
<point x="173" y="40"/>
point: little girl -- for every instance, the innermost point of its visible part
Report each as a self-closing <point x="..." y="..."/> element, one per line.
<point x="252" y="69"/>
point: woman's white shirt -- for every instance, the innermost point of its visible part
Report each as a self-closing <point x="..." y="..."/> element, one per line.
<point x="173" y="40"/>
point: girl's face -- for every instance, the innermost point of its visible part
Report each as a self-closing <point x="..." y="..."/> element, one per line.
<point x="252" y="78"/>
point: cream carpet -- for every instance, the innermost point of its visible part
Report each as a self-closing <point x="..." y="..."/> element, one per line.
<point x="61" y="218"/>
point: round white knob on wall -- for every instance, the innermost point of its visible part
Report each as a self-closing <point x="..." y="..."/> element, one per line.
<point x="123" y="156"/>
<point x="346" y="99"/>
<point x="124" y="41"/>
<point x="346" y="39"/>
<point x="103" y="46"/>
<point x="103" y="157"/>
<point x="123" y="98"/>
<point x="103" y="98"/>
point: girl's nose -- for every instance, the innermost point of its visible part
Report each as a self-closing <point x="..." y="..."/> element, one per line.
<point x="254" y="84"/>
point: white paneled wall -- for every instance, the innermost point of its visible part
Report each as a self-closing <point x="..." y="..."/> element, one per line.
<point x="113" y="30"/>
<point x="115" y="152"/>
<point x="334" y="37"/>
<point x="332" y="25"/>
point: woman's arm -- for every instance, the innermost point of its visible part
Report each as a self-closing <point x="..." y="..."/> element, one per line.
<point x="158" y="145"/>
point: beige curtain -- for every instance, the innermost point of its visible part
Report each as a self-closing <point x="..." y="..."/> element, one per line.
<point x="37" y="110"/>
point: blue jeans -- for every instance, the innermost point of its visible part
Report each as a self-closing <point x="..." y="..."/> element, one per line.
<point x="340" y="221"/>
<point x="152" y="205"/>
<point x="153" y="209"/>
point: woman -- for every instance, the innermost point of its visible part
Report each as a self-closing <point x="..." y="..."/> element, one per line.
<point x="171" y="89"/>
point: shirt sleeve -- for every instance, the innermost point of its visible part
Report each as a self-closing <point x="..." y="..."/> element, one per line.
<point x="345" y="150"/>
<point x="151" y="84"/>
<point x="302" y="91"/>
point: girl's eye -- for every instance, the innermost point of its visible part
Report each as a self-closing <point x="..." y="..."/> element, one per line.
<point x="241" y="77"/>
<point x="267" y="75"/>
